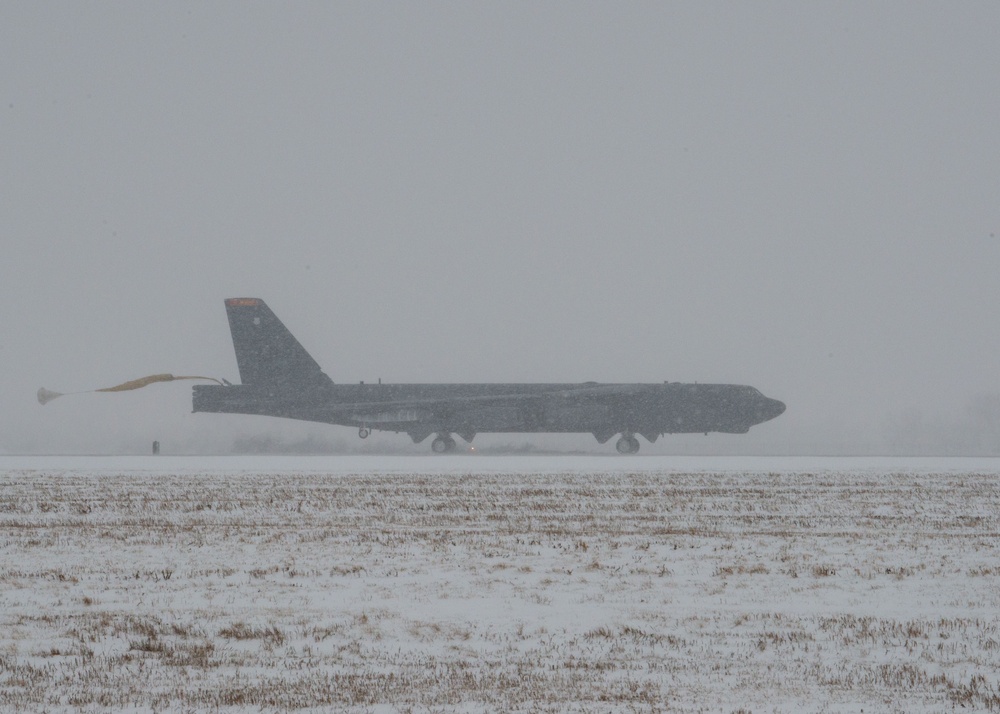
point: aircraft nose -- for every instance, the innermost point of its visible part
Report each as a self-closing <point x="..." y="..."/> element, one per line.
<point x="770" y="408"/>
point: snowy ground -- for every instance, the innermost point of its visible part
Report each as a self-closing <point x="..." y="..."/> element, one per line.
<point x="596" y="584"/>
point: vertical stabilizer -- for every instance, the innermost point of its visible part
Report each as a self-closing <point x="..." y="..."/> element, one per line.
<point x="266" y="352"/>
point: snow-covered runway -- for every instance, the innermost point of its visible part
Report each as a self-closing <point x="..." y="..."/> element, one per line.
<point x="499" y="584"/>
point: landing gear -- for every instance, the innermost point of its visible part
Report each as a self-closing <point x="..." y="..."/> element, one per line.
<point x="627" y="444"/>
<point x="443" y="444"/>
<point x="363" y="432"/>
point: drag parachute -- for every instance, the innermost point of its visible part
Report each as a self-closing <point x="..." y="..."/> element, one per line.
<point x="47" y="395"/>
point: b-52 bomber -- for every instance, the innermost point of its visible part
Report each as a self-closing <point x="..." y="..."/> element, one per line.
<point x="280" y="379"/>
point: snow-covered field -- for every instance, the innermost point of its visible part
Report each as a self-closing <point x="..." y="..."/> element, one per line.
<point x="600" y="584"/>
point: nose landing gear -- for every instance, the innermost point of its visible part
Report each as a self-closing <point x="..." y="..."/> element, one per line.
<point x="363" y="432"/>
<point x="627" y="444"/>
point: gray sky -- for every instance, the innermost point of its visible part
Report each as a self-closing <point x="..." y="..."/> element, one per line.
<point x="798" y="196"/>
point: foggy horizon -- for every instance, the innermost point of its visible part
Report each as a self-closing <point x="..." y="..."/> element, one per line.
<point x="801" y="198"/>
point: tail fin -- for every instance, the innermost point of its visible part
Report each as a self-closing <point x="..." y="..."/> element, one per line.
<point x="266" y="352"/>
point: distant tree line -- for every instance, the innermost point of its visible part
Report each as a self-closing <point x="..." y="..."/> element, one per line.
<point x="269" y="444"/>
<point x="973" y="432"/>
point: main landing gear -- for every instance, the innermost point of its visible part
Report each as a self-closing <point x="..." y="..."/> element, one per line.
<point x="627" y="444"/>
<point x="443" y="444"/>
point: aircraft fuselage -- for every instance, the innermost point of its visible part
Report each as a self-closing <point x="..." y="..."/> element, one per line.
<point x="422" y="409"/>
<point x="281" y="379"/>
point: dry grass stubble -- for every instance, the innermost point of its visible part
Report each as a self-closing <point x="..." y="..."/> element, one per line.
<point x="499" y="592"/>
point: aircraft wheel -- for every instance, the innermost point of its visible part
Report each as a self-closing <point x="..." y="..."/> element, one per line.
<point x="627" y="445"/>
<point x="363" y="433"/>
<point x="442" y="445"/>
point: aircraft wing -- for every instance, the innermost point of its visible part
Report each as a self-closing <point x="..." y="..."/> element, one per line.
<point x="429" y="403"/>
<point x="570" y="395"/>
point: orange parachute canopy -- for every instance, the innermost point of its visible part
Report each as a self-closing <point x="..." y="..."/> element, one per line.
<point x="143" y="381"/>
<point x="45" y="395"/>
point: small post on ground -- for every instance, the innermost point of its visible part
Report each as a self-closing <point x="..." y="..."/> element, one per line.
<point x="156" y="448"/>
